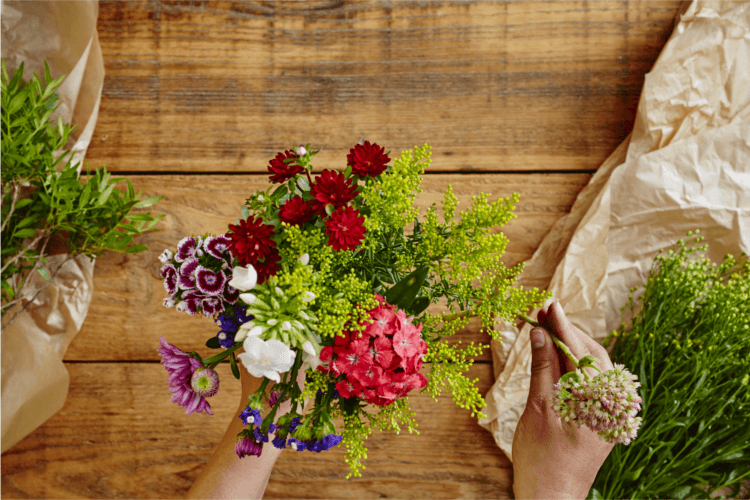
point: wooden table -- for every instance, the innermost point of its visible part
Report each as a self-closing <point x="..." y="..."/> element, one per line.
<point x="526" y="97"/>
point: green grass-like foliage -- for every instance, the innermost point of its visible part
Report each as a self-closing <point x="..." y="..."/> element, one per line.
<point x="41" y="200"/>
<point x="689" y="344"/>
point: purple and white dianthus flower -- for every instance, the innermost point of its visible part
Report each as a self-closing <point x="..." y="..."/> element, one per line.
<point x="208" y="281"/>
<point x="296" y="444"/>
<point x="186" y="282"/>
<point x="189" y="306"/>
<point x="216" y="246"/>
<point x="189" y="267"/>
<point x="169" y="273"/>
<point x="259" y="436"/>
<point x="246" y="446"/>
<point x="607" y="403"/>
<point x="251" y="416"/>
<point x="166" y="256"/>
<point x="190" y="246"/>
<point x="168" y="301"/>
<point x="181" y="367"/>
<point x="230" y="294"/>
<point x="211" y="306"/>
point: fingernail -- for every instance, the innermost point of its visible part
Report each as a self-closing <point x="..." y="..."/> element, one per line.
<point x="537" y="338"/>
<point x="559" y="308"/>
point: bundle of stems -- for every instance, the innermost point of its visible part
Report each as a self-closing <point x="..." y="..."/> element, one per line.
<point x="689" y="344"/>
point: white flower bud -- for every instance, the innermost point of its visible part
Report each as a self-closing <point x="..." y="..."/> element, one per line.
<point x="301" y="151"/>
<point x="304" y="258"/>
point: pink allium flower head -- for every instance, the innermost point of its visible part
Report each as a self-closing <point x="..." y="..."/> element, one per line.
<point x="180" y="368"/>
<point x="607" y="403"/>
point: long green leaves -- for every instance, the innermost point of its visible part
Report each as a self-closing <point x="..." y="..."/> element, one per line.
<point x="41" y="201"/>
<point x="690" y="345"/>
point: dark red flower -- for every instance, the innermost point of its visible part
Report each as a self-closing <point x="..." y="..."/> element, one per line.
<point x="345" y="229"/>
<point x="333" y="188"/>
<point x="296" y="211"/>
<point x="251" y="240"/>
<point x="281" y="171"/>
<point x="268" y="267"/>
<point x="367" y="159"/>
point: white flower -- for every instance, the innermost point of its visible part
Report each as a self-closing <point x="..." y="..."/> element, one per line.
<point x="304" y="258"/>
<point x="266" y="358"/>
<point x="309" y="355"/>
<point x="166" y="256"/>
<point x="247" y="298"/>
<point x="248" y="329"/>
<point x="301" y="151"/>
<point x="244" y="278"/>
<point x="308" y="296"/>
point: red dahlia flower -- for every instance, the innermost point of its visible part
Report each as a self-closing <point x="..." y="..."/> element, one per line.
<point x="269" y="266"/>
<point x="251" y="240"/>
<point x="345" y="229"/>
<point x="281" y="171"/>
<point x="295" y="211"/>
<point x="367" y="159"/>
<point x="331" y="187"/>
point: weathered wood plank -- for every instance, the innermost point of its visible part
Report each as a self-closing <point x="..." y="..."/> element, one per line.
<point x="220" y="86"/>
<point x="120" y="436"/>
<point x="128" y="292"/>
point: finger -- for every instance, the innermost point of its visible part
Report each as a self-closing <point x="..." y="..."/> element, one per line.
<point x="598" y="351"/>
<point x="545" y="369"/>
<point x="541" y="316"/>
<point x="570" y="336"/>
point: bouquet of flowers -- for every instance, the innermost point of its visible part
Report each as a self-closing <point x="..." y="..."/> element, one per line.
<point x="334" y="276"/>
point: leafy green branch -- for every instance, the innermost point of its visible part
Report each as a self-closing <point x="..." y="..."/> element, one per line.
<point x="45" y="206"/>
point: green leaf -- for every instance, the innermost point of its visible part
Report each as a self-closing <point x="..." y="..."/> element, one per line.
<point x="148" y="202"/>
<point x="44" y="273"/>
<point x="23" y="203"/>
<point x="139" y="217"/>
<point x="8" y="289"/>
<point x="303" y="184"/>
<point x="135" y="249"/>
<point x="24" y="233"/>
<point x="418" y="306"/>
<point x="85" y="195"/>
<point x="233" y="364"/>
<point x="245" y="212"/>
<point x="105" y="195"/>
<point x="213" y="343"/>
<point x="27" y="221"/>
<point x="402" y="293"/>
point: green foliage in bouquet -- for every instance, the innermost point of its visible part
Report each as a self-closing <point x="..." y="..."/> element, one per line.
<point x="41" y="202"/>
<point x="689" y="344"/>
<point x="412" y="264"/>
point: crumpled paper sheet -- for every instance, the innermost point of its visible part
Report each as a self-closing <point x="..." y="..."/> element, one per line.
<point x="685" y="166"/>
<point x="34" y="380"/>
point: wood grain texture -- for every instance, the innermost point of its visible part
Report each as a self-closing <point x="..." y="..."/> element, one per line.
<point x="127" y="303"/>
<point x="120" y="436"/>
<point x="218" y="86"/>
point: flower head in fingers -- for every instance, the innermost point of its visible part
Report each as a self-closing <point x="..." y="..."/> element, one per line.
<point x="607" y="403"/>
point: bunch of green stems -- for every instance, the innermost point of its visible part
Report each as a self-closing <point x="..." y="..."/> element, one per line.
<point x="689" y="344"/>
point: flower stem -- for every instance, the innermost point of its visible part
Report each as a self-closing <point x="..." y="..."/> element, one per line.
<point x="215" y="360"/>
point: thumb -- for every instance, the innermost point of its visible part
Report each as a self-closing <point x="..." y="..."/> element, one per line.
<point x="545" y="368"/>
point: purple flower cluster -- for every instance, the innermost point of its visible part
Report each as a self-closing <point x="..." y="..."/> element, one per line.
<point x="256" y="438"/>
<point x="607" y="403"/>
<point x="230" y="324"/>
<point x="197" y="276"/>
<point x="181" y="367"/>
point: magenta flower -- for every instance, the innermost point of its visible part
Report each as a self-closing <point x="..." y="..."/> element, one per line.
<point x="180" y="367"/>
<point x="607" y="403"/>
<point x="208" y="281"/>
<point x="216" y="246"/>
<point x="246" y="445"/>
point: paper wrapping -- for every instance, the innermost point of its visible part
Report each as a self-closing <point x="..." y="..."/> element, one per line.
<point x="685" y="166"/>
<point x="34" y="380"/>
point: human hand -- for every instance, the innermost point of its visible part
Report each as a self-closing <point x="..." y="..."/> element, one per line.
<point x="553" y="458"/>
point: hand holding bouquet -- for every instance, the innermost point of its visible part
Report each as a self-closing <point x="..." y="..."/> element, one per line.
<point x="334" y="276"/>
